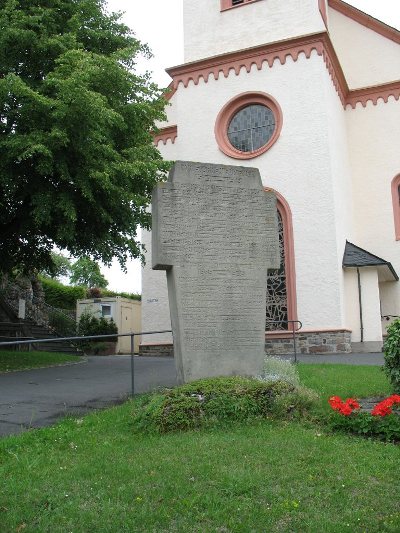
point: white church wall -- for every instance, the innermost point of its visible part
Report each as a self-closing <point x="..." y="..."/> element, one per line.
<point x="340" y="171"/>
<point x="298" y="166"/>
<point x="367" y="58"/>
<point x="370" y="305"/>
<point x="264" y="21"/>
<point x="352" y="306"/>
<point x="389" y="301"/>
<point x="155" y="305"/>
<point x="171" y="112"/>
<point x="375" y="161"/>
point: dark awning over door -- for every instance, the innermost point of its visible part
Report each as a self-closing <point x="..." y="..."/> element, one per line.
<point x="356" y="257"/>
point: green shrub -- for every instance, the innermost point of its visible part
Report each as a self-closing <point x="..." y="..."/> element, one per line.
<point x="61" y="296"/>
<point x="219" y="400"/>
<point x="98" y="348"/>
<point x="385" y="428"/>
<point x="65" y="296"/>
<point x="129" y="295"/>
<point x="89" y="325"/>
<point x="391" y="349"/>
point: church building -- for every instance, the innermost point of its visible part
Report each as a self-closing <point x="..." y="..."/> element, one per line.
<point x="308" y="92"/>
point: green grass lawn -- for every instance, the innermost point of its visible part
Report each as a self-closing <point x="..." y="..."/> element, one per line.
<point x="344" y="380"/>
<point x="96" y="475"/>
<point x="10" y="360"/>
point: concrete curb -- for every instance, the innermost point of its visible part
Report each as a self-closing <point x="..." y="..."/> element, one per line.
<point x="67" y="363"/>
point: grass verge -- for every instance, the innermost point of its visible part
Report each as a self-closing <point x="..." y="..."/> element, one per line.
<point x="10" y="360"/>
<point x="343" y="380"/>
<point x="95" y="474"/>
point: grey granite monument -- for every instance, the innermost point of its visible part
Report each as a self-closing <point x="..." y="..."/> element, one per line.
<point x="215" y="232"/>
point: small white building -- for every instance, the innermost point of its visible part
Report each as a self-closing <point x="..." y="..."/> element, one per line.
<point x="308" y="92"/>
<point x="125" y="312"/>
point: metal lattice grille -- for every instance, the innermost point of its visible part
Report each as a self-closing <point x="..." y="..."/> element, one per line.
<point x="251" y="128"/>
<point x="276" y="305"/>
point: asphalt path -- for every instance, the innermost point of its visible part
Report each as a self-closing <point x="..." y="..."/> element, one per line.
<point x="38" y="398"/>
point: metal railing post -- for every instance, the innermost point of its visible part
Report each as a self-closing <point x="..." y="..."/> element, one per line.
<point x="294" y="343"/>
<point x="296" y="325"/>
<point x="132" y="365"/>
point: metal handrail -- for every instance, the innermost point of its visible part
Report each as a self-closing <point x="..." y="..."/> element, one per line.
<point x="132" y="335"/>
<point x="388" y="317"/>
<point x="293" y="330"/>
<point x="84" y="337"/>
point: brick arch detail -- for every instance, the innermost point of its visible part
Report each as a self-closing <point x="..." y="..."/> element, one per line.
<point x="290" y="269"/>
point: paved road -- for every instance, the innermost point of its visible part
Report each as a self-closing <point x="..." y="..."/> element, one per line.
<point x="36" y="398"/>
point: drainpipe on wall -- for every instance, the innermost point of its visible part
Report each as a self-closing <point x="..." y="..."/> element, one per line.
<point x="360" y="305"/>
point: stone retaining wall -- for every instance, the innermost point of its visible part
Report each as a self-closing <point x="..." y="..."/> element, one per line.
<point x="309" y="342"/>
<point x="278" y="343"/>
<point x="157" y="350"/>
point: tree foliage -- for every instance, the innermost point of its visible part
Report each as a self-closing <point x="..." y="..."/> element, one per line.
<point x="62" y="296"/>
<point x="86" y="272"/>
<point x="391" y="350"/>
<point x="77" y="161"/>
<point x="61" y="266"/>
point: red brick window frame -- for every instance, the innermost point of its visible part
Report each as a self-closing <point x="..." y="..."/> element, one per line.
<point x="229" y="4"/>
<point x="396" y="205"/>
<point x="229" y="111"/>
<point x="288" y="240"/>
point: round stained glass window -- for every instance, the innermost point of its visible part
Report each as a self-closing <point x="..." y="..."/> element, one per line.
<point x="251" y="128"/>
<point x="248" y="125"/>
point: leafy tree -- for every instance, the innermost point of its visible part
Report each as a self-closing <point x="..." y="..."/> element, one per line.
<point x="61" y="266"/>
<point x="77" y="161"/>
<point x="86" y="272"/>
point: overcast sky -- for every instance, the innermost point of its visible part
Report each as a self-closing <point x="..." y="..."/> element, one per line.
<point x="159" y="24"/>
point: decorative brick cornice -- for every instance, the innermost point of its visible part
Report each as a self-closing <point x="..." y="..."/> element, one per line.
<point x="269" y="53"/>
<point x="246" y="58"/>
<point x="334" y="69"/>
<point x="165" y="134"/>
<point x="373" y="94"/>
<point x="365" y="20"/>
<point x="169" y="91"/>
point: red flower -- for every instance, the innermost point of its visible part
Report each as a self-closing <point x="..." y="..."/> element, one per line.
<point x="383" y="408"/>
<point x="351" y="402"/>
<point x="335" y="402"/>
<point x="395" y="398"/>
<point x="345" y="410"/>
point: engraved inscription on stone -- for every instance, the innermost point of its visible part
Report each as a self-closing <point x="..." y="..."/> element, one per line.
<point x="215" y="232"/>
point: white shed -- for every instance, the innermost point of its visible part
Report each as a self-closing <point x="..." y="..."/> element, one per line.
<point x="125" y="312"/>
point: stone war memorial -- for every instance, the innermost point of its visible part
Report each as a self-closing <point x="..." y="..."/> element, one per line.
<point x="215" y="232"/>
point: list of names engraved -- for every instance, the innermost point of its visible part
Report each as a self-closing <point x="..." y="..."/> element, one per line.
<point x="215" y="231"/>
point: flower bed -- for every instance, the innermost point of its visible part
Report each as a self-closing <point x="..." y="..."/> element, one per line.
<point x="383" y="420"/>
